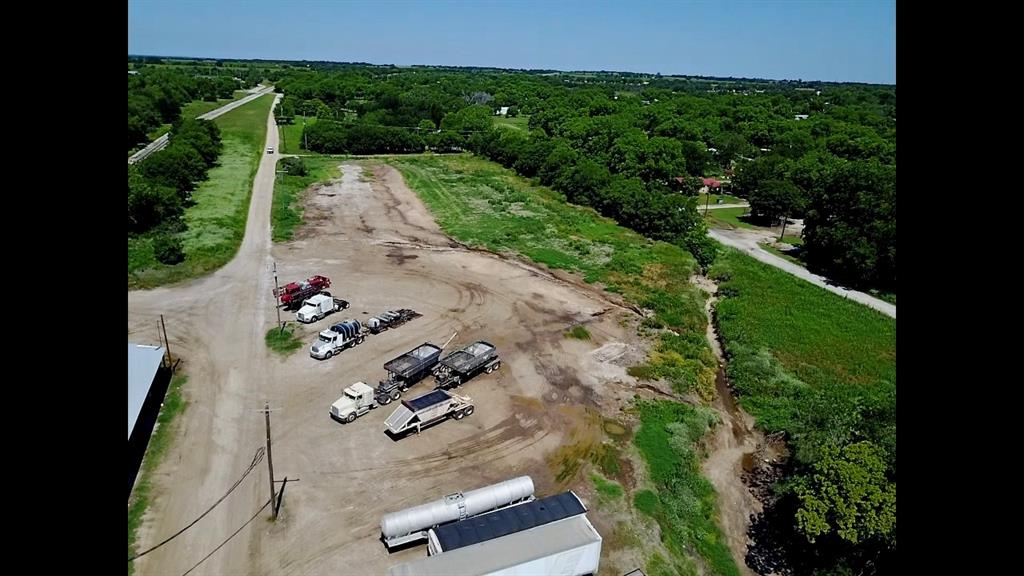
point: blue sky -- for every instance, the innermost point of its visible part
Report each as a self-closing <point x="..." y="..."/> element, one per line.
<point x="848" y="41"/>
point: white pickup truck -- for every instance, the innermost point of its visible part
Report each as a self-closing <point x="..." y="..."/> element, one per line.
<point x="316" y="307"/>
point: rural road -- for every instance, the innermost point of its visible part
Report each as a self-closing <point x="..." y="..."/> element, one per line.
<point x="161" y="142"/>
<point x="720" y="206"/>
<point x="216" y="323"/>
<point x="747" y="241"/>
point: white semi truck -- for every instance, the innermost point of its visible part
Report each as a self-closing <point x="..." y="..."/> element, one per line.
<point x="317" y="307"/>
<point x="341" y="336"/>
<point x="356" y="400"/>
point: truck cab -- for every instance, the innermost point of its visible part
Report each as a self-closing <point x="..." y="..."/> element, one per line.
<point x="324" y="345"/>
<point x="340" y="336"/>
<point x="318" y="306"/>
<point x="356" y="400"/>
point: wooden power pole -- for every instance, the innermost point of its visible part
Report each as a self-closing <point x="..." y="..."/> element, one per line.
<point x="270" y="462"/>
<point x="277" y="299"/>
<point x="167" y="344"/>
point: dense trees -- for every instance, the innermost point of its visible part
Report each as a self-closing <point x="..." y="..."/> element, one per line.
<point x="850" y="231"/>
<point x="156" y="95"/>
<point x="160" y="187"/>
<point x="848" y="495"/>
<point x="598" y="140"/>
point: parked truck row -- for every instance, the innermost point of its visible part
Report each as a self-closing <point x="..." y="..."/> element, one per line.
<point x="314" y="303"/>
<point x="410" y="368"/>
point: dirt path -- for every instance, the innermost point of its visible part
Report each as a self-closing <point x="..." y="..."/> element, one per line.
<point x="216" y="324"/>
<point x="747" y="241"/>
<point x="732" y="451"/>
<point x="701" y="208"/>
<point x="378" y="243"/>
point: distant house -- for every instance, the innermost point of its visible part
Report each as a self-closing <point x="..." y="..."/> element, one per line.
<point x="503" y="111"/>
<point x="801" y="117"/>
<point x="133" y="72"/>
<point x="710" y="184"/>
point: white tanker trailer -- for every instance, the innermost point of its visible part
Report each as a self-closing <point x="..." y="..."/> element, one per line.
<point x="413" y="524"/>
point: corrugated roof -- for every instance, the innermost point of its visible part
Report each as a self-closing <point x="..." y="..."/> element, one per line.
<point x="494" y="556"/>
<point x="143" y="362"/>
<point x="508" y="521"/>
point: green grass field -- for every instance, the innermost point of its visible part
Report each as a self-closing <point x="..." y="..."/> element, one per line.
<point x="712" y="199"/>
<point x="216" y="223"/>
<point x="286" y="213"/>
<point x="190" y="110"/>
<point x="483" y="204"/>
<point x="284" y="342"/>
<point x="726" y="218"/>
<point x="521" y="123"/>
<point x="174" y="404"/>
<point x="803" y="359"/>
<point x="785" y="256"/>
<point x="291" y="136"/>
<point x="199" y="107"/>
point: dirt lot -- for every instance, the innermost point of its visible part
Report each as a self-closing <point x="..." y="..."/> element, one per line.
<point x="377" y="242"/>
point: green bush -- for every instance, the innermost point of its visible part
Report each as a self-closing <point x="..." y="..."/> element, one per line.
<point x="168" y="249"/>
<point x="646" y="501"/>
<point x="295" y="166"/>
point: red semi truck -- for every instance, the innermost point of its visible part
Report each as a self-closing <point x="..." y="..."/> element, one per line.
<point x="293" y="294"/>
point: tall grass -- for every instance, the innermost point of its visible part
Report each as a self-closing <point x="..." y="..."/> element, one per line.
<point x="286" y="213"/>
<point x="216" y="222"/>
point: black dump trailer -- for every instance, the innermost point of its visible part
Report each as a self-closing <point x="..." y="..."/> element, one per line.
<point x="461" y="365"/>
<point x="406" y="370"/>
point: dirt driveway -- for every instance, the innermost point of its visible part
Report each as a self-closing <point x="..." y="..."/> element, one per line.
<point x="382" y="249"/>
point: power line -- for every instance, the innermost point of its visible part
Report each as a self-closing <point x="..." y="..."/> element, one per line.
<point x="233" y="534"/>
<point x="256" y="459"/>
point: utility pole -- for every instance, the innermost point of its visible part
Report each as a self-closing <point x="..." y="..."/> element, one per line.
<point x="167" y="344"/>
<point x="277" y="299"/>
<point x="270" y="462"/>
<point x="707" y="200"/>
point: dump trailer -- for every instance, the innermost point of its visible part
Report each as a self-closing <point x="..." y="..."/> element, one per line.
<point x="355" y="401"/>
<point x="390" y="319"/>
<point x="406" y="370"/>
<point x="427" y="409"/>
<point x="414" y="523"/>
<point x="318" y="306"/>
<point x="293" y="294"/>
<point x="461" y="365"/>
<point x="340" y="336"/>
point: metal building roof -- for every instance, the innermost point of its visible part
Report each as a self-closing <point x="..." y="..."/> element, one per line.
<point x="143" y="362"/>
<point x="508" y="521"/>
<point x="502" y="555"/>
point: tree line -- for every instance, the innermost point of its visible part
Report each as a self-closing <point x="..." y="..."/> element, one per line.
<point x="156" y="95"/>
<point x="825" y="155"/>
<point x="160" y="187"/>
